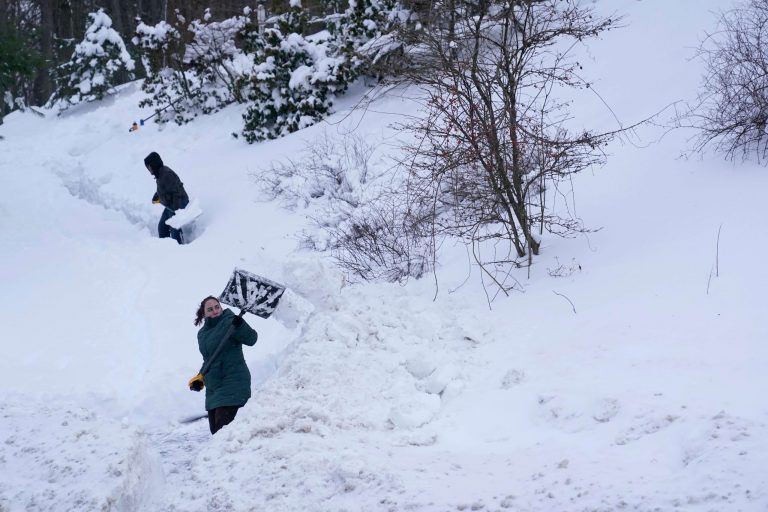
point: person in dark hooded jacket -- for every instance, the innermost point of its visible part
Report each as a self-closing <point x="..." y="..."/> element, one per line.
<point x="170" y="193"/>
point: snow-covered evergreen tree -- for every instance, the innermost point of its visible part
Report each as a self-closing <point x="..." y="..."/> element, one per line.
<point x="99" y="63"/>
<point x="294" y="79"/>
<point x="156" y="43"/>
<point x="216" y="61"/>
<point x="289" y="80"/>
<point x="361" y="21"/>
<point x="361" y="30"/>
<point x="160" y="44"/>
<point x="200" y="76"/>
<point x="18" y="62"/>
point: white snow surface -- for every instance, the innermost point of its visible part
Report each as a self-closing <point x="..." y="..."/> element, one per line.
<point x="633" y="381"/>
<point x="186" y="215"/>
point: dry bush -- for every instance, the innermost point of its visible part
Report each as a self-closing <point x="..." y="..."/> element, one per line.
<point x="731" y="114"/>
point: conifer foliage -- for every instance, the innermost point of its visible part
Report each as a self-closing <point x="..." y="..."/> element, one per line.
<point x="294" y="79"/>
<point x="361" y="21"/>
<point x="99" y="63"/>
<point x="17" y="65"/>
<point x="160" y="45"/>
<point x="287" y="78"/>
<point x="196" y="76"/>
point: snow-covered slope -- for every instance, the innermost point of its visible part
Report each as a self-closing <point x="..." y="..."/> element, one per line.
<point x="631" y="382"/>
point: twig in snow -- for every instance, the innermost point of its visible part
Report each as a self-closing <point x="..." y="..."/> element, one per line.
<point x="566" y="298"/>
<point x="717" y="253"/>
<point x="716" y="267"/>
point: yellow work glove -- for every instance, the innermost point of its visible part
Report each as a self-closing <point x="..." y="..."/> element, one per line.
<point x="197" y="383"/>
<point x="155" y="199"/>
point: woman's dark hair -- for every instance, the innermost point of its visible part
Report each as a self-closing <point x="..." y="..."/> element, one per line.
<point x="201" y="309"/>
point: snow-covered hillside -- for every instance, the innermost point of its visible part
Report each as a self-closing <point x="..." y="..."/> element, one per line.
<point x="633" y="381"/>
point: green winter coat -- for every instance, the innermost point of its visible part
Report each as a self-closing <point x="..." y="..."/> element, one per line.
<point x="228" y="381"/>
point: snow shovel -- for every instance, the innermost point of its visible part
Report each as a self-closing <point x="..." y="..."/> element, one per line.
<point x="251" y="293"/>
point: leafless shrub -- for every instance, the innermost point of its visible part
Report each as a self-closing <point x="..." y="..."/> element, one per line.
<point x="356" y="212"/>
<point x="333" y="170"/>
<point x="732" y="109"/>
<point x="496" y="142"/>
<point x="563" y="269"/>
<point x="382" y="241"/>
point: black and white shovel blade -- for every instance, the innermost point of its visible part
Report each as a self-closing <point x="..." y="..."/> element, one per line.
<point x="252" y="293"/>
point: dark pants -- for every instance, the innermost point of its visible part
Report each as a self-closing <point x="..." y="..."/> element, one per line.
<point x="221" y="416"/>
<point x="165" y="231"/>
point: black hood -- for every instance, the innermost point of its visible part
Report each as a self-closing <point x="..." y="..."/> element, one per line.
<point x="154" y="162"/>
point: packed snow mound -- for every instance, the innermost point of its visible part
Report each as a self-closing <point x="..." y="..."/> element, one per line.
<point x="324" y="429"/>
<point x="385" y="397"/>
<point x="58" y="456"/>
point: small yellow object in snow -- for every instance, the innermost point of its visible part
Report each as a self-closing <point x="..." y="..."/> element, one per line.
<point x="134" y="127"/>
<point x="197" y="383"/>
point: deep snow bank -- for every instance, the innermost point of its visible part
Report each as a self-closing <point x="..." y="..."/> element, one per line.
<point x="59" y="456"/>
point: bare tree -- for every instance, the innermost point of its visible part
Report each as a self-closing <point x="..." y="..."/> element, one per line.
<point x="496" y="141"/>
<point x="732" y="110"/>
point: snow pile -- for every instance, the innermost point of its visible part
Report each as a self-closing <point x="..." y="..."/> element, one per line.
<point x="386" y="402"/>
<point x="65" y="457"/>
<point x="317" y="441"/>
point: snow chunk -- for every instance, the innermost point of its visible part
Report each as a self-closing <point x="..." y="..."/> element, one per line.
<point x="439" y="380"/>
<point x="292" y="309"/>
<point x="315" y="279"/>
<point x="300" y="77"/>
<point x="417" y="412"/>
<point x="512" y="378"/>
<point x="419" y="367"/>
<point x="185" y="215"/>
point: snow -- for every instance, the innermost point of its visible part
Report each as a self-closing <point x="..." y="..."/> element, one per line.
<point x="100" y="32"/>
<point x="300" y="77"/>
<point x="627" y="375"/>
<point x="154" y="36"/>
<point x="214" y="40"/>
<point x="185" y="215"/>
<point x="125" y="474"/>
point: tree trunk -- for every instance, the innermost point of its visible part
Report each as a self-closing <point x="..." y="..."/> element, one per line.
<point x="43" y="87"/>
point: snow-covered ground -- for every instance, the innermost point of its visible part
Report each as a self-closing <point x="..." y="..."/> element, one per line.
<point x="631" y="382"/>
